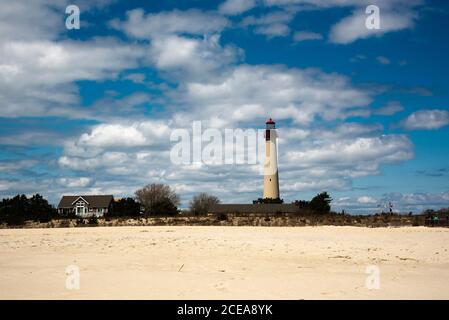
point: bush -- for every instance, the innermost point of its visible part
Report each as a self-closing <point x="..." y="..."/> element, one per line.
<point x="125" y="207"/>
<point x="16" y="210"/>
<point x="13" y="220"/>
<point x="158" y="199"/>
<point x="164" y="207"/>
<point x="319" y="204"/>
<point x="202" y="202"/>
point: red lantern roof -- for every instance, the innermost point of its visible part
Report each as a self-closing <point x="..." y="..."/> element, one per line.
<point x="270" y="121"/>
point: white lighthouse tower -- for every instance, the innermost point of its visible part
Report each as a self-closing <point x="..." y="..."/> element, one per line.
<point x="271" y="178"/>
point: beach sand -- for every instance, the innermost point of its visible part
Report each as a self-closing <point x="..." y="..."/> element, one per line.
<point x="225" y="263"/>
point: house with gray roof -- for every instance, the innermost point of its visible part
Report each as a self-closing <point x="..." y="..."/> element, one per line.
<point x="85" y="206"/>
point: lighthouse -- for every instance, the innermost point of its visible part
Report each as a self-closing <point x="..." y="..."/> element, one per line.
<point x="271" y="178"/>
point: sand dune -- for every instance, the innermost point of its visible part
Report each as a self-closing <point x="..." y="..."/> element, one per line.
<point x="225" y="263"/>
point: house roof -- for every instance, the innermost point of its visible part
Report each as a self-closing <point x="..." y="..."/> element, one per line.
<point x="96" y="201"/>
<point x="255" y="208"/>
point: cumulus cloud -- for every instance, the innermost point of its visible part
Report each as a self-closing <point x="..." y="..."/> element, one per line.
<point x="234" y="7"/>
<point x="426" y="120"/>
<point x="297" y="94"/>
<point x="395" y="15"/>
<point x="113" y="135"/>
<point x="37" y="77"/>
<point x="184" y="44"/>
<point x="78" y="182"/>
<point x="35" y="20"/>
<point x="383" y="149"/>
<point x="38" y="69"/>
<point x="146" y="26"/>
<point x="190" y="57"/>
<point x="120" y="136"/>
<point x="272" y="24"/>
<point x="367" y="200"/>
<point x="353" y="27"/>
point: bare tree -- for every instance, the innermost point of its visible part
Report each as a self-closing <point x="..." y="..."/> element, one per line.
<point x="158" y="198"/>
<point x="202" y="202"/>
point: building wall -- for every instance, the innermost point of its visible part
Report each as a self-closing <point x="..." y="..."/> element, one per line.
<point x="271" y="179"/>
<point x="97" y="212"/>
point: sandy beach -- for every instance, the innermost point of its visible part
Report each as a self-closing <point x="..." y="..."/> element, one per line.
<point x="225" y="263"/>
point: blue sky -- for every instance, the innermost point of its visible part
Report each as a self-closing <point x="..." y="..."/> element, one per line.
<point x="362" y="114"/>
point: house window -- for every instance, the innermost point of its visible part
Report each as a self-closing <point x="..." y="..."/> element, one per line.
<point x="81" y="207"/>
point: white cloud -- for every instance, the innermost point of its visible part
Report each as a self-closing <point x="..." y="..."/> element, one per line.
<point x="135" y="77"/>
<point x="36" y="20"/>
<point x="184" y="44"/>
<point x="37" y="78"/>
<point x="389" y="109"/>
<point x="193" y="21"/>
<point x="275" y="17"/>
<point x="28" y="20"/>
<point x="7" y="166"/>
<point x="273" y="30"/>
<point x="107" y="135"/>
<point x="362" y="150"/>
<point x="367" y="200"/>
<point x="324" y="4"/>
<point x="122" y="136"/>
<point x="191" y="57"/>
<point x="78" y="182"/>
<point x="395" y="15"/>
<point x="426" y="120"/>
<point x="305" y="35"/>
<point x="234" y="7"/>
<point x="273" y="24"/>
<point x="283" y="93"/>
<point x="353" y="27"/>
<point x="316" y="3"/>
<point x="64" y="62"/>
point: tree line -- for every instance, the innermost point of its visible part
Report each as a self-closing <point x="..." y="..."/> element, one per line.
<point x="151" y="200"/>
